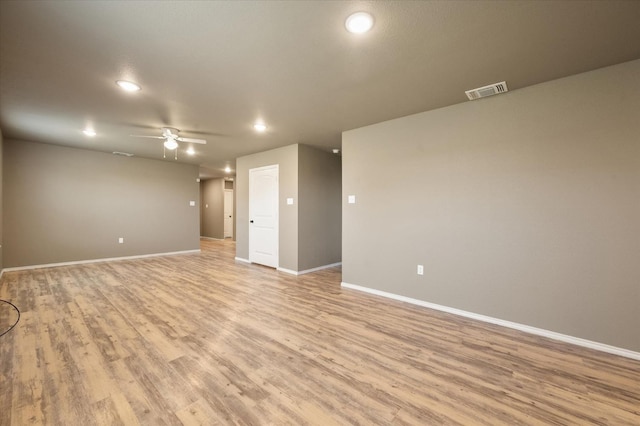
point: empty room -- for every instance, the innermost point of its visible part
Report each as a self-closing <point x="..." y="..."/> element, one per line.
<point x="320" y="212"/>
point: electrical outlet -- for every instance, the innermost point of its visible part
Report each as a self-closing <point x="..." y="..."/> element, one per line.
<point x="420" y="270"/>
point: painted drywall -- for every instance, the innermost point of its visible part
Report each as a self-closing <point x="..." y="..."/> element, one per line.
<point x="523" y="206"/>
<point x="287" y="160"/>
<point x="212" y="208"/>
<point x="1" y="211"/>
<point x="310" y="228"/>
<point x="319" y="209"/>
<point x="65" y="204"/>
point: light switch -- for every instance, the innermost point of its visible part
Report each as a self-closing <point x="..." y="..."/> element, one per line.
<point x="290" y="201"/>
<point x="192" y="203"/>
<point x="120" y="240"/>
<point x="352" y="199"/>
<point x="198" y="180"/>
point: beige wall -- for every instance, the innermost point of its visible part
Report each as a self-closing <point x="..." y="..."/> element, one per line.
<point x="310" y="227"/>
<point x="1" y="196"/>
<point x="287" y="159"/>
<point x="523" y="206"/>
<point x="319" y="210"/>
<point x="212" y="217"/>
<point x="65" y="204"/>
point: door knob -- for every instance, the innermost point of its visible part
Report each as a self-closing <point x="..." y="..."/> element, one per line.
<point x="250" y="221"/>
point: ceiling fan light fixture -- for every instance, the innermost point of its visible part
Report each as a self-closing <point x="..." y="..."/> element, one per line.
<point x="128" y="86"/>
<point x="359" y="22"/>
<point x="260" y="127"/>
<point x="170" y="144"/>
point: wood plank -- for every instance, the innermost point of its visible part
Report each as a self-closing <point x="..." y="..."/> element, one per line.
<point x="199" y="339"/>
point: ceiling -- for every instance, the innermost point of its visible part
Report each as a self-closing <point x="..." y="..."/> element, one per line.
<point x="213" y="68"/>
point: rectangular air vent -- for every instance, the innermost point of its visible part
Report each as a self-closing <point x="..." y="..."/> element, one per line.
<point x="490" y="90"/>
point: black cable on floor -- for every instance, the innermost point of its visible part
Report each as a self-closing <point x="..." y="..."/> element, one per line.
<point x="17" y="310"/>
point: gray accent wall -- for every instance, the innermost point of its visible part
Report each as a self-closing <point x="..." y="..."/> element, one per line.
<point x="287" y="160"/>
<point x="66" y="204"/>
<point x="1" y="196"/>
<point x="523" y="206"/>
<point x="212" y="217"/>
<point x="320" y="209"/>
<point x="310" y="228"/>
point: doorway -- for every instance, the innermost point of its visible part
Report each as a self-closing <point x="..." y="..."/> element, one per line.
<point x="263" y="215"/>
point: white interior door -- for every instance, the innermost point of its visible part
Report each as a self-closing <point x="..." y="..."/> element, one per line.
<point x="228" y="213"/>
<point x="263" y="215"/>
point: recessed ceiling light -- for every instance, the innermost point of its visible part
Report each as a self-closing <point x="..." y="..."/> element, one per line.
<point x="128" y="86"/>
<point x="89" y="132"/>
<point x="260" y="127"/>
<point x="359" y="22"/>
<point x="227" y="169"/>
<point x="190" y="151"/>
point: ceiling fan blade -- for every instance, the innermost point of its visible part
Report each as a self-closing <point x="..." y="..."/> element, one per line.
<point x="143" y="136"/>
<point x="204" y="133"/>
<point x="192" y="140"/>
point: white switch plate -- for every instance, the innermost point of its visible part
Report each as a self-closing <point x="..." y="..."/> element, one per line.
<point x="206" y="206"/>
<point x="120" y="240"/>
<point x="290" y="201"/>
<point x="198" y="180"/>
<point x="352" y="199"/>
<point x="420" y="270"/>
<point x="192" y="203"/>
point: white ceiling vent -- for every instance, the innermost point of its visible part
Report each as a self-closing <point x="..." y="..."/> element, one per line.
<point x="490" y="90"/>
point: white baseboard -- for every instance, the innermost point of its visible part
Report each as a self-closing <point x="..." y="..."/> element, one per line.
<point x="521" y="327"/>
<point x="109" y="259"/>
<point x="240" y="259"/>
<point x="320" y="268"/>
<point x="307" y="271"/>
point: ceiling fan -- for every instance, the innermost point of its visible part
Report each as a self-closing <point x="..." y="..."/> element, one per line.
<point x="171" y="139"/>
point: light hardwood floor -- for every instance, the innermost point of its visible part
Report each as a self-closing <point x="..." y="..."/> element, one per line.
<point x="200" y="339"/>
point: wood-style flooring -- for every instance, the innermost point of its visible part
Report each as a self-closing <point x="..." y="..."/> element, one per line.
<point x="201" y="339"/>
